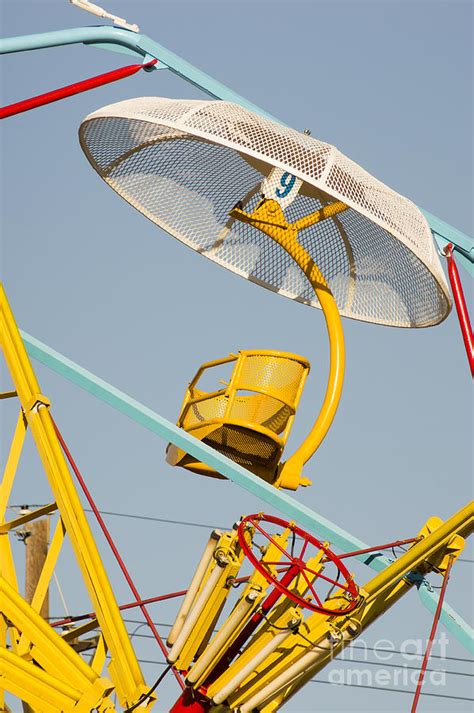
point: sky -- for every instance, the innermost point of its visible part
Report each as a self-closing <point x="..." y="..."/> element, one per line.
<point x="390" y="84"/>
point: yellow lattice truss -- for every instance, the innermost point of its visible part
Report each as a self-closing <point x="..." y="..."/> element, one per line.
<point x="37" y="664"/>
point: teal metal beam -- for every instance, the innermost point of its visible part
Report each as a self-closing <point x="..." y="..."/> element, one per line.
<point x="170" y="432"/>
<point x="444" y="233"/>
<point x="120" y="40"/>
<point x="288" y="506"/>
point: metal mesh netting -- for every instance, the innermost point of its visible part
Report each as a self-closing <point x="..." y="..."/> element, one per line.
<point x="274" y="382"/>
<point x="185" y="164"/>
<point x="257" y="409"/>
<point x="241" y="445"/>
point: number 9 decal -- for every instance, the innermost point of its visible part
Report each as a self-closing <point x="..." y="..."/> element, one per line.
<point x="287" y="182"/>
<point x="281" y="186"/>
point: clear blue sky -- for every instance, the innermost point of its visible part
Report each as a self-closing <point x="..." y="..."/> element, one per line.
<point x="389" y="83"/>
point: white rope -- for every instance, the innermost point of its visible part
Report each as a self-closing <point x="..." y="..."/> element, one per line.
<point x="61" y="595"/>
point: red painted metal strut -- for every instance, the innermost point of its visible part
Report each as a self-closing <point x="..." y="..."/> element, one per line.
<point x="461" y="306"/>
<point x="114" y="549"/>
<point x="71" y="89"/>
<point x="389" y="545"/>
<point x="432" y="635"/>
<point x="132" y="605"/>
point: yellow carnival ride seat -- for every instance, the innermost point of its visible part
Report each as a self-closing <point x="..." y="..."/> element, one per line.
<point x="287" y="212"/>
<point x="250" y="419"/>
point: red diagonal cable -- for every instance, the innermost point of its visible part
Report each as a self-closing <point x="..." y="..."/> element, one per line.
<point x="114" y="549"/>
<point x="71" y="89"/>
<point x="389" y="545"/>
<point x="461" y="306"/>
<point x="432" y="634"/>
<point x="122" y="607"/>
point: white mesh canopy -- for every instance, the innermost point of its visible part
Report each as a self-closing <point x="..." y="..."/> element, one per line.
<point x="185" y="164"/>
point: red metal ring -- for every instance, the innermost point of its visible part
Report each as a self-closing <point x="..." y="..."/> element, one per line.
<point x="348" y="583"/>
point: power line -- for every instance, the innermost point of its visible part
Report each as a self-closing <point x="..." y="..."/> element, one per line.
<point x="188" y="523"/>
<point x="163" y="520"/>
<point x="361" y="661"/>
<point x="407" y="653"/>
<point x="352" y="685"/>
<point x="349" y="648"/>
<point x="184" y="523"/>
<point x="392" y="690"/>
<point x="353" y="646"/>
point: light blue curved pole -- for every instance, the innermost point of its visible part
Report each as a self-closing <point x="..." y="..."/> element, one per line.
<point x="444" y="233"/>
<point x="288" y="506"/>
<point x="120" y="40"/>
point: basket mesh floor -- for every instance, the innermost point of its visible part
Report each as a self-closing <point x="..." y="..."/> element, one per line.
<point x="185" y="164"/>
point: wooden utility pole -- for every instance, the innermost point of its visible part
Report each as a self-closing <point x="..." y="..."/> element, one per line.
<point x="36" y="550"/>
<point x="36" y="543"/>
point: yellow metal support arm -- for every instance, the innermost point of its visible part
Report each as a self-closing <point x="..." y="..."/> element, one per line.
<point x="270" y="219"/>
<point x="34" y="415"/>
<point x="274" y="685"/>
<point x="61" y="675"/>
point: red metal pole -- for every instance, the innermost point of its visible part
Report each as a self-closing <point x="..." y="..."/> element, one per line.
<point x="122" y="607"/>
<point x="432" y="634"/>
<point x="397" y="543"/>
<point x="132" y="605"/>
<point x="114" y="549"/>
<point x="461" y="306"/>
<point x="71" y="89"/>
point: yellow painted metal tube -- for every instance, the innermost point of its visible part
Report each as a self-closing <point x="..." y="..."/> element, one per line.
<point x="193" y="588"/>
<point x="48" y="649"/>
<point x="336" y="356"/>
<point x="11" y="465"/>
<point x="35" y="686"/>
<point x="215" y="648"/>
<point x="380" y="594"/>
<point x="252" y="665"/>
<point x="286" y="677"/>
<point x="196" y="610"/>
<point x="127" y="670"/>
<point x="327" y="211"/>
<point x="23" y="519"/>
<point x="461" y="523"/>
<point x="270" y="219"/>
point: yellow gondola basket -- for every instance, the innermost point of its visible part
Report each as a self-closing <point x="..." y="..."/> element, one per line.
<point x="249" y="420"/>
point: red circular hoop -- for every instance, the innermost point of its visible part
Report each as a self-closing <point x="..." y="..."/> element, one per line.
<point x="347" y="583"/>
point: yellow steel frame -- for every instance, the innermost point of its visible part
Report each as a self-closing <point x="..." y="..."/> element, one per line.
<point x="270" y="219"/>
<point x="273" y="681"/>
<point x="285" y="651"/>
<point x="37" y="664"/>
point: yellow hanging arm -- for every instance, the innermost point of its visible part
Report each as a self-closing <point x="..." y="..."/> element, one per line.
<point x="270" y="219"/>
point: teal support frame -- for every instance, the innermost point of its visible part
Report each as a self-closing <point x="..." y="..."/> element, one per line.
<point x="128" y="42"/>
<point x="288" y="506"/>
<point x="131" y="43"/>
<point x="117" y="39"/>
